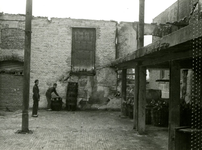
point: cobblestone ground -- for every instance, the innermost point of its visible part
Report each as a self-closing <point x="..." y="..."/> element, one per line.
<point x="79" y="130"/>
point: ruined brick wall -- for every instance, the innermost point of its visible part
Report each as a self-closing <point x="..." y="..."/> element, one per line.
<point x="51" y="53"/>
<point x="185" y="7"/>
<point x="11" y="36"/>
<point x="51" y="56"/>
<point x="11" y="92"/>
<point x="11" y="61"/>
<point x="169" y="15"/>
<point x="126" y="38"/>
<point x="175" y="12"/>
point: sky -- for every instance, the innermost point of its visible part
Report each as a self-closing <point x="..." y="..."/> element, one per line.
<point x="117" y="10"/>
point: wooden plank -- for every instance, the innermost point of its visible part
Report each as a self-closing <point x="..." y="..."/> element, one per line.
<point x="141" y="100"/>
<point x="123" y="88"/>
<point x="135" y="108"/>
<point x="174" y="103"/>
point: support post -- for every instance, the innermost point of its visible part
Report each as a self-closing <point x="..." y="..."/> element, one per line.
<point x="174" y="103"/>
<point x="139" y="117"/>
<point x="27" y="58"/>
<point x="142" y="100"/>
<point x="140" y="40"/>
<point x="135" y="108"/>
<point x="123" y="90"/>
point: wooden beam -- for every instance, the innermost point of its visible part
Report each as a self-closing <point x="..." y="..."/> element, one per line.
<point x="166" y="57"/>
<point x="142" y="100"/>
<point x="135" y="108"/>
<point x="140" y="40"/>
<point x="149" y="28"/>
<point x="27" y="58"/>
<point x="123" y="88"/>
<point x="174" y="103"/>
<point x="127" y="65"/>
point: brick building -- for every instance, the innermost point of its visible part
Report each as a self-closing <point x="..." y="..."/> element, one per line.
<point x="56" y="51"/>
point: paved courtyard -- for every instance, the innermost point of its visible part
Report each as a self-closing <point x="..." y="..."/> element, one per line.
<point x="79" y="130"/>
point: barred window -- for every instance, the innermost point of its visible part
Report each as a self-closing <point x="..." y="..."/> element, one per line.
<point x="83" y="50"/>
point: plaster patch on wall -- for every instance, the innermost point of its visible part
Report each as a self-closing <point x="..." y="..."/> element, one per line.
<point x="12" y="38"/>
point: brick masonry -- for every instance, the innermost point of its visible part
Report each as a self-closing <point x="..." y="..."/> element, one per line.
<point x="51" y="53"/>
<point x="11" y="92"/>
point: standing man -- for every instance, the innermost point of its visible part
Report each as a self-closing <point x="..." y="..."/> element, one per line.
<point x="48" y="95"/>
<point x="36" y="98"/>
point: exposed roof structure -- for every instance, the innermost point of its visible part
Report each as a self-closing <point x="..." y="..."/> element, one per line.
<point x="174" y="46"/>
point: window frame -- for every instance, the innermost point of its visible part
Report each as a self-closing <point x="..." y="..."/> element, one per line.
<point x="83" y="72"/>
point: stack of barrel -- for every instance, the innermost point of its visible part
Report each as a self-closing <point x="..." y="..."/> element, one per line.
<point x="71" y="96"/>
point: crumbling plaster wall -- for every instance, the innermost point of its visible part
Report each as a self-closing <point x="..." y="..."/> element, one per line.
<point x="11" y="61"/>
<point x="51" y="56"/>
<point x="169" y="15"/>
<point x="180" y="10"/>
<point x="177" y="11"/>
<point x="185" y="7"/>
<point x="126" y="38"/>
<point x="8" y="21"/>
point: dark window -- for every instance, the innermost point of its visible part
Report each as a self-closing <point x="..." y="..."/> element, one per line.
<point x="83" y="50"/>
<point x="162" y="74"/>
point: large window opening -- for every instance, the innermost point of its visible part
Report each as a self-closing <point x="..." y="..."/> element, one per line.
<point x="83" y="51"/>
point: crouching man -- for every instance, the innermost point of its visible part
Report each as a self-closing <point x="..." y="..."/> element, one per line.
<point x="48" y="95"/>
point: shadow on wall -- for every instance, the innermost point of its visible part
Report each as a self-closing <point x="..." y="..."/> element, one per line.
<point x="98" y="98"/>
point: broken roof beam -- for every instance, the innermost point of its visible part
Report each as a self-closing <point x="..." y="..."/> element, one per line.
<point x="149" y="28"/>
<point x="178" y="37"/>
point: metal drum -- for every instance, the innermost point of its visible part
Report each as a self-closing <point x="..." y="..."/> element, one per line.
<point x="56" y="103"/>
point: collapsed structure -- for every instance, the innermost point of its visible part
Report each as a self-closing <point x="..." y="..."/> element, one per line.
<point x="95" y="53"/>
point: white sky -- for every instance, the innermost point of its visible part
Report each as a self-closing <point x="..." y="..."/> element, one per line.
<point x="118" y="10"/>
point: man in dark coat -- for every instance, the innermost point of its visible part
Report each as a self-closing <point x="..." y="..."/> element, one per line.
<point x="36" y="98"/>
<point x="48" y="95"/>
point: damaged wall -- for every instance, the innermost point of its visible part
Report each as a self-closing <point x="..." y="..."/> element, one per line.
<point x="126" y="38"/>
<point x="176" y="12"/>
<point x="11" y="61"/>
<point x="169" y="15"/>
<point x="11" y="39"/>
<point x="175" y="17"/>
<point x="181" y="12"/>
<point x="51" y="54"/>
